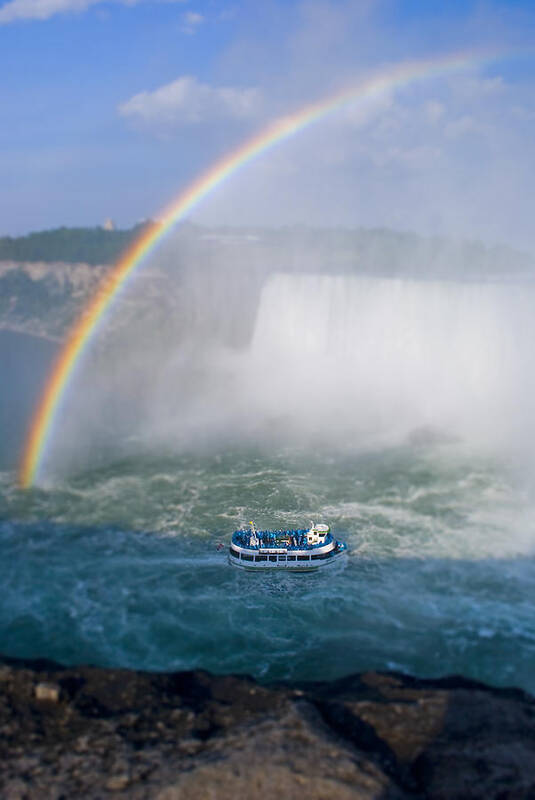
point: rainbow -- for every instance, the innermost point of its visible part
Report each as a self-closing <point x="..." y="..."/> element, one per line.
<point x="77" y="340"/>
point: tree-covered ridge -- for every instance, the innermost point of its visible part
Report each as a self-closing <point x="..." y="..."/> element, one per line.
<point x="376" y="251"/>
<point x="71" y="245"/>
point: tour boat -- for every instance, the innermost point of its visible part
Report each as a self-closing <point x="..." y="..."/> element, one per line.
<point x="295" y="550"/>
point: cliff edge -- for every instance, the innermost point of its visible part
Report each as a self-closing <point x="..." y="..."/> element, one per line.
<point x="92" y="733"/>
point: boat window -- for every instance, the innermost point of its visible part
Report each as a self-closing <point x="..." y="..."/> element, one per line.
<point x="273" y="558"/>
<point x="246" y="558"/>
<point x="291" y="558"/>
<point x="282" y="558"/>
<point x="234" y="554"/>
<point x="303" y="558"/>
<point x="260" y="558"/>
<point x="321" y="555"/>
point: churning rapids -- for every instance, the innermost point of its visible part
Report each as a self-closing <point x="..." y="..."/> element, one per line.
<point x="398" y="412"/>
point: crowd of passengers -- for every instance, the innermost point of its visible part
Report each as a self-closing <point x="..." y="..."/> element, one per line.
<point x="297" y="539"/>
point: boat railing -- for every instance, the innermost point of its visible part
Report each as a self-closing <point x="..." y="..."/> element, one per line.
<point x="290" y="540"/>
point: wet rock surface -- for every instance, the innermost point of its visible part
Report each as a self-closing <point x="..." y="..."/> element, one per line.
<point x="92" y="733"/>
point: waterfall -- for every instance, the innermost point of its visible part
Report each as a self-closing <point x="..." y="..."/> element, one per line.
<point x="397" y="351"/>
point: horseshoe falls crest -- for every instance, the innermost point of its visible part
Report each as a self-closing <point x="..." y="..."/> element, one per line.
<point x="399" y="411"/>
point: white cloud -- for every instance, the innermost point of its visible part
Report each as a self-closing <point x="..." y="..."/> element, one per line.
<point x="462" y="126"/>
<point x="434" y="111"/>
<point x="475" y="88"/>
<point x="187" y="101"/>
<point x="191" y="21"/>
<point x="226" y="14"/>
<point x="44" y="9"/>
<point x="490" y="85"/>
<point x="40" y="9"/>
<point x="524" y="113"/>
<point x="363" y="111"/>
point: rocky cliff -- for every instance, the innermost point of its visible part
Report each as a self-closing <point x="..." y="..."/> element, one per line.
<point x="92" y="733"/>
<point x="42" y="298"/>
<point x="45" y="298"/>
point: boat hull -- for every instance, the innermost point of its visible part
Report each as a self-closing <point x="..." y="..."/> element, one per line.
<point x="285" y="565"/>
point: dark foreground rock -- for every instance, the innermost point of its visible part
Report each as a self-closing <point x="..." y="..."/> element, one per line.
<point x="91" y="733"/>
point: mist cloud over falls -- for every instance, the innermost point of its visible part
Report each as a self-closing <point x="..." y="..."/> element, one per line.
<point x="245" y="354"/>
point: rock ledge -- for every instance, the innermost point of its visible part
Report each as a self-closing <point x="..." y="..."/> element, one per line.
<point x="92" y="733"/>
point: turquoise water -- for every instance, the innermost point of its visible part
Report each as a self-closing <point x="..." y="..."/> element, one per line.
<point x="117" y="565"/>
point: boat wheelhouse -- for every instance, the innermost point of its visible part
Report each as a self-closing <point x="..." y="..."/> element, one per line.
<point x="296" y="550"/>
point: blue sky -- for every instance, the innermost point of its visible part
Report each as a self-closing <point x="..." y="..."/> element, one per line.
<point x="110" y="108"/>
